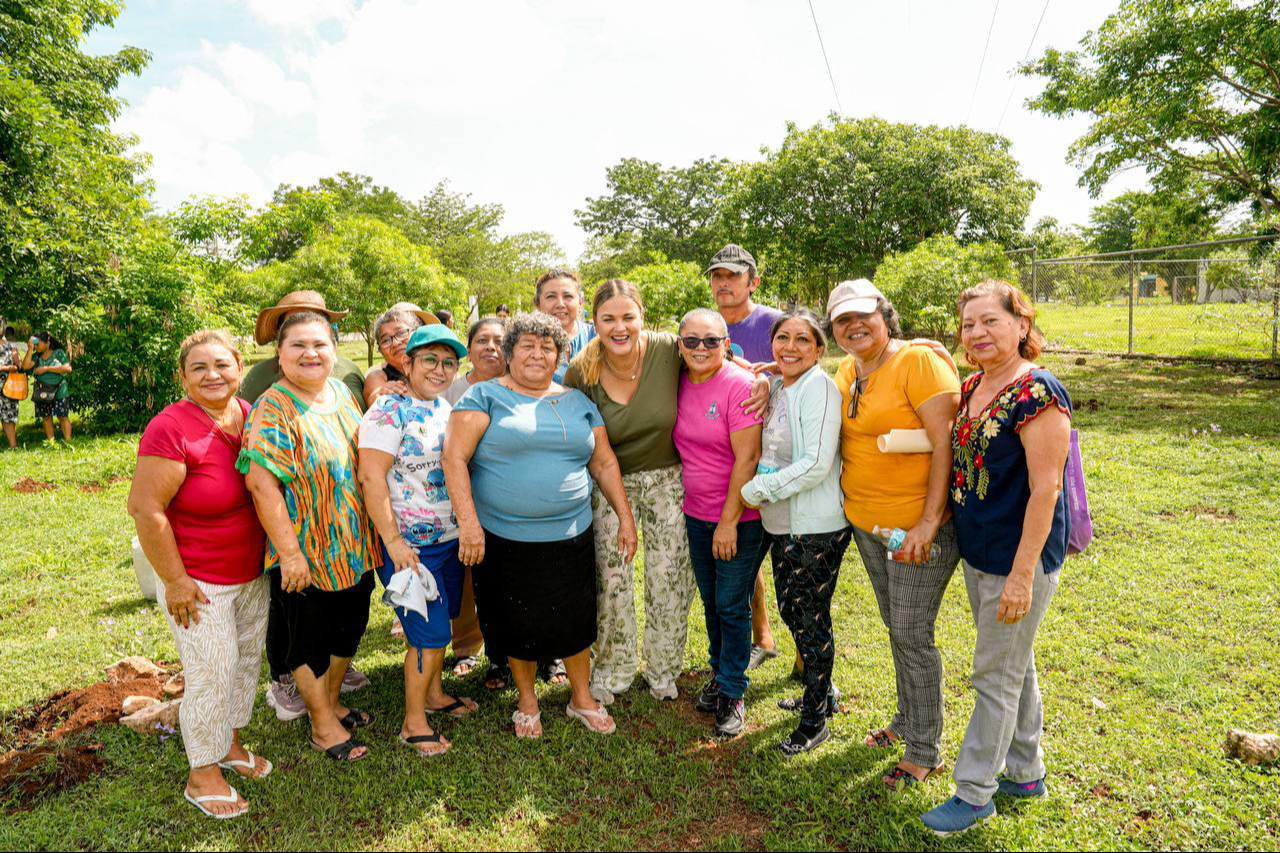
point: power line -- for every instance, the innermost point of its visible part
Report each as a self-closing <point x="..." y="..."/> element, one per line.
<point x="976" y="83"/>
<point x="1025" y="56"/>
<point x="830" y="76"/>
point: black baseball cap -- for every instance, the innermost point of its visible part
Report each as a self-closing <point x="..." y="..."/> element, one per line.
<point x="733" y="258"/>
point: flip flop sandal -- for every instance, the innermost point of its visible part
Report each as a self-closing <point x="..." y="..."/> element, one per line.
<point x="497" y="672"/>
<point x="452" y="708"/>
<point x="520" y="718"/>
<point x="414" y="740"/>
<point x="471" y="662"/>
<point x="552" y="671"/>
<point x="586" y="715"/>
<point x="251" y="765"/>
<point x="883" y="738"/>
<point x="340" y="751"/>
<point x="899" y="779"/>
<point x="356" y="719"/>
<point x="199" y="802"/>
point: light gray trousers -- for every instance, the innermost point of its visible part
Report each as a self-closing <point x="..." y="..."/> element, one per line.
<point x="1008" y="718"/>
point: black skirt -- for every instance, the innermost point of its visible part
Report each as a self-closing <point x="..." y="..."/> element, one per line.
<point x="537" y="600"/>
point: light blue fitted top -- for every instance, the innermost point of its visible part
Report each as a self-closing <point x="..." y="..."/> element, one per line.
<point x="529" y="475"/>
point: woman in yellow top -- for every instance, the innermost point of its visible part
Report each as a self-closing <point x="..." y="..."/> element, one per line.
<point x="886" y="384"/>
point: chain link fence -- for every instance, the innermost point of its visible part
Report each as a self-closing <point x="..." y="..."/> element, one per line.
<point x="1217" y="299"/>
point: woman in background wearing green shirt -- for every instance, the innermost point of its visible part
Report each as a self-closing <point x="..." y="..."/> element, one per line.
<point x="632" y="376"/>
<point x="49" y="364"/>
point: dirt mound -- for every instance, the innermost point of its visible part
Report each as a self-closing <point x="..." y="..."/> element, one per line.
<point x="30" y="773"/>
<point x="69" y="712"/>
<point x="27" y="486"/>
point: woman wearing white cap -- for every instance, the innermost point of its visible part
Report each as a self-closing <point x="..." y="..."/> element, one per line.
<point x="886" y="384"/>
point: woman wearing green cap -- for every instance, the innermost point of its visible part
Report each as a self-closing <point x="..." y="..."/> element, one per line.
<point x="401" y="443"/>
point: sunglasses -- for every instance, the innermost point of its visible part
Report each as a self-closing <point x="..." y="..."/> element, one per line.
<point x="710" y="341"/>
<point x="858" y="387"/>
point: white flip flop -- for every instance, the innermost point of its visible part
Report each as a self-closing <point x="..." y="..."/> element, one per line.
<point x="589" y="714"/>
<point x="250" y="765"/>
<point x="520" y="718"/>
<point x="199" y="802"/>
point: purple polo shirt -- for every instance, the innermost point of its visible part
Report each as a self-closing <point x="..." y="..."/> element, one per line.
<point x="752" y="334"/>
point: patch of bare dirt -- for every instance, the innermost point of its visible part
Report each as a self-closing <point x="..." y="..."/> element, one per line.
<point x="101" y="485"/>
<point x="1212" y="513"/>
<point x="26" y="775"/>
<point x="29" y="485"/>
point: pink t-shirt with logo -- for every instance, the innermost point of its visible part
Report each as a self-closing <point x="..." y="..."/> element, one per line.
<point x="706" y="414"/>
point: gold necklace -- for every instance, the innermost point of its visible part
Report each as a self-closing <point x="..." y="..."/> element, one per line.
<point x="209" y="415"/>
<point x="635" y="366"/>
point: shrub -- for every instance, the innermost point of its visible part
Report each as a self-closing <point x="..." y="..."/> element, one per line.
<point x="923" y="283"/>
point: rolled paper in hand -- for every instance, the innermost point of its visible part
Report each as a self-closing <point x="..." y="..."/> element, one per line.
<point x="905" y="441"/>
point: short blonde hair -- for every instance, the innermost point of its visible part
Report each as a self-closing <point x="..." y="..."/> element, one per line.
<point x="202" y="337"/>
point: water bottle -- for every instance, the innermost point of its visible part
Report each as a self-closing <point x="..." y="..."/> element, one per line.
<point x="893" y="540"/>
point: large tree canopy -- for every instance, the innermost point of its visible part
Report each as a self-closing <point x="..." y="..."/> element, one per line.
<point x="1183" y="88"/>
<point x="69" y="192"/>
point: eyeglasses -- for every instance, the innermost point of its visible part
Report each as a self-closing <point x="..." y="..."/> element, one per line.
<point x="858" y="387"/>
<point x="432" y="362"/>
<point x="391" y="340"/>
<point x="710" y="341"/>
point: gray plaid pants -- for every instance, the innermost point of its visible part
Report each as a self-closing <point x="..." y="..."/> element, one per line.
<point x="909" y="596"/>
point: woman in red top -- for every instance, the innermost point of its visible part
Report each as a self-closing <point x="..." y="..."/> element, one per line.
<point x="197" y="526"/>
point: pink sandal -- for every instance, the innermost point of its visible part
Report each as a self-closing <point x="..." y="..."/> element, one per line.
<point x="587" y="715"/>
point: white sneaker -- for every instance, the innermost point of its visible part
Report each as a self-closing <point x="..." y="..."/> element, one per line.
<point x="603" y="696"/>
<point x="668" y="693"/>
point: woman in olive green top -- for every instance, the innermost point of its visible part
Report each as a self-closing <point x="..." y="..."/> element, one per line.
<point x="632" y="376"/>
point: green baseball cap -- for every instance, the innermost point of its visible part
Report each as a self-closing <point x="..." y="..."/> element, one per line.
<point x="733" y="258"/>
<point x="436" y="333"/>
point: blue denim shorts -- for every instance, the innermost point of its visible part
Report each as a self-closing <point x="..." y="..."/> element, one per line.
<point x="442" y="561"/>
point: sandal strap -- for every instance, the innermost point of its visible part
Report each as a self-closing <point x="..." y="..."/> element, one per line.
<point x="434" y="737"/>
<point x="599" y="712"/>
<point x="520" y="718"/>
<point x="339" y="751"/>
<point x="448" y="709"/>
<point x="233" y="797"/>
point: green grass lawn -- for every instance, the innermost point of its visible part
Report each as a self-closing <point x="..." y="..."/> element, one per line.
<point x="1217" y="330"/>
<point x="1162" y="636"/>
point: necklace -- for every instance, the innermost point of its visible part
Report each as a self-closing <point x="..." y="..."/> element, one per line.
<point x="234" y="419"/>
<point x="635" y="365"/>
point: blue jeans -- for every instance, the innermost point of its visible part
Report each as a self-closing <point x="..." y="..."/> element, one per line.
<point x="726" y="587"/>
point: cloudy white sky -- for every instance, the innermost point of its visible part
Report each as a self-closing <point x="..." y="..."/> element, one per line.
<point x="526" y="102"/>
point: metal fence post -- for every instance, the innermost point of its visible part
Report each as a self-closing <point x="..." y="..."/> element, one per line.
<point x="1132" y="284"/>
<point x="1035" y="281"/>
<point x="1275" y="321"/>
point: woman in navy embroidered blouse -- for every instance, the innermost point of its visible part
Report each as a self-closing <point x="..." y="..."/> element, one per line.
<point x="1009" y="447"/>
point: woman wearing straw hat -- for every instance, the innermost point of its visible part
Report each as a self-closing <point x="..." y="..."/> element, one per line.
<point x="264" y="374"/>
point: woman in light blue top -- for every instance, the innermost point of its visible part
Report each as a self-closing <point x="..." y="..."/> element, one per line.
<point x="797" y="488"/>
<point x="520" y="454"/>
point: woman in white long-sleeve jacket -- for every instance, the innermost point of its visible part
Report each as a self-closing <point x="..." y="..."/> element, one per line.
<point x="797" y="488"/>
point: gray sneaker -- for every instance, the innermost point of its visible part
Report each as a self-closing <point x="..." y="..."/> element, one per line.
<point x="759" y="654"/>
<point x="283" y="696"/>
<point x="354" y="679"/>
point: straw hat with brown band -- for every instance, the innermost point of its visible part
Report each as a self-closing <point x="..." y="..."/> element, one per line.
<point x="426" y="317"/>
<point x="264" y="331"/>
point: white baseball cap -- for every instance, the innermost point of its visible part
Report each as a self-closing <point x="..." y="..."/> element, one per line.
<point x="853" y="296"/>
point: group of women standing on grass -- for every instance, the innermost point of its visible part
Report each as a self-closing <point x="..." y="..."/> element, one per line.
<point x="537" y="472"/>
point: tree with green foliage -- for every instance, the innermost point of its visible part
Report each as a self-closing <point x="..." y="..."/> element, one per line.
<point x="70" y="193"/>
<point x="1186" y="89"/>
<point x="670" y="290"/>
<point x="924" y="282"/>
<point x="834" y="199"/>
<point x="676" y="211"/>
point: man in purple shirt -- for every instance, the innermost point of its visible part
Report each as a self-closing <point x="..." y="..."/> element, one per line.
<point x="733" y="277"/>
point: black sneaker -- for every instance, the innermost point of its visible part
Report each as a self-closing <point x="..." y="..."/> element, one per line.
<point x="797" y="704"/>
<point x="731" y="716"/>
<point x="799" y="741"/>
<point x="706" y="701"/>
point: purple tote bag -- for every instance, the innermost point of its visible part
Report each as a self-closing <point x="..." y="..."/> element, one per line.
<point x="1081" y="527"/>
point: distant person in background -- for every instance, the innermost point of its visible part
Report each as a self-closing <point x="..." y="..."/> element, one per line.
<point x="48" y="364"/>
<point x="484" y="352"/>
<point x="283" y="695"/>
<point x="197" y="526"/>
<point x="10" y="362"/>
<point x="502" y="312"/>
<point x="390" y="332"/>
<point x="265" y="373"/>
<point x="559" y="293"/>
<point x="445" y="316"/>
<point x="733" y="277"/>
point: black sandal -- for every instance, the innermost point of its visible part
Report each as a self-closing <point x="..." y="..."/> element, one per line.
<point x="413" y="740"/>
<point x="797" y="704"/>
<point x="356" y="719"/>
<point x="340" y="751"/>
<point x="797" y="743"/>
<point x="451" y="707"/>
<point x="550" y="672"/>
<point x="497" y="672"/>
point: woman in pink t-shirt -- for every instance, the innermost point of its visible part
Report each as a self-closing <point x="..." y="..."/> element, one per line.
<point x="719" y="445"/>
<point x="197" y="526"/>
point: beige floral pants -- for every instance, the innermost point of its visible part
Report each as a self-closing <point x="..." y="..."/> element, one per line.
<point x="656" y="499"/>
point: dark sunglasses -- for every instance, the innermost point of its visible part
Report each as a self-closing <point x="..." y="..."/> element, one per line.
<point x="710" y="341"/>
<point x="858" y="387"/>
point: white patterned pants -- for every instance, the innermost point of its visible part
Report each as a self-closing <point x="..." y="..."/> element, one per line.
<point x="221" y="660"/>
<point x="656" y="499"/>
